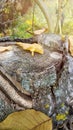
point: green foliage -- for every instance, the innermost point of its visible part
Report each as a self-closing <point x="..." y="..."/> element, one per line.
<point x="20" y="30"/>
<point x="36" y="17"/>
<point x="68" y="27"/>
<point x="25" y="25"/>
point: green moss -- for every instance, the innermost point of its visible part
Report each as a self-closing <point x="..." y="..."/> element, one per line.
<point x="61" y="116"/>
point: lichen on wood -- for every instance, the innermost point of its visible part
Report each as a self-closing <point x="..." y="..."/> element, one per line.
<point x="36" y="74"/>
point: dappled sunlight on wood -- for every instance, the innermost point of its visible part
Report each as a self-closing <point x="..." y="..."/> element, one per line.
<point x="3" y="49"/>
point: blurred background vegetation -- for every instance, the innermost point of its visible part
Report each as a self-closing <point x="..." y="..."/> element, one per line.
<point x="20" y="18"/>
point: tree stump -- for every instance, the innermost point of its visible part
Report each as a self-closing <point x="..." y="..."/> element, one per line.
<point x="38" y="74"/>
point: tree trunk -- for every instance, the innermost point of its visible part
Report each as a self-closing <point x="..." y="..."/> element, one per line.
<point x="58" y="28"/>
<point x="45" y="10"/>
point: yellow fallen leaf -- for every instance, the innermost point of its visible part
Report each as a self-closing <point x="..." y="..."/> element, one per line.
<point x="27" y="120"/>
<point x="8" y="48"/>
<point x="31" y="47"/>
<point x="70" y="40"/>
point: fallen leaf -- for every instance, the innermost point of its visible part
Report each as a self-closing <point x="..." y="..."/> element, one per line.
<point x="40" y="31"/>
<point x="31" y="47"/>
<point x="2" y="48"/>
<point x="70" y="41"/>
<point x="27" y="120"/>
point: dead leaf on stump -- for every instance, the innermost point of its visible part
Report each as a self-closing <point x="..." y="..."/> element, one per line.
<point x="40" y="31"/>
<point x="31" y="47"/>
<point x="27" y="120"/>
<point x="3" y="49"/>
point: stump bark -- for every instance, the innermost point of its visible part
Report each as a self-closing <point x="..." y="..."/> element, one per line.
<point x="38" y="74"/>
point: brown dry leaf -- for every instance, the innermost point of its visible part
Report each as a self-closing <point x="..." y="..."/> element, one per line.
<point x="31" y="47"/>
<point x="3" y="49"/>
<point x="70" y="40"/>
<point x="40" y="31"/>
<point x="27" y="120"/>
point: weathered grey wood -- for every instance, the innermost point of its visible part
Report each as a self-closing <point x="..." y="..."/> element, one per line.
<point x="53" y="41"/>
<point x="41" y="69"/>
<point x="36" y="74"/>
<point x="13" y="82"/>
<point x="14" y="91"/>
